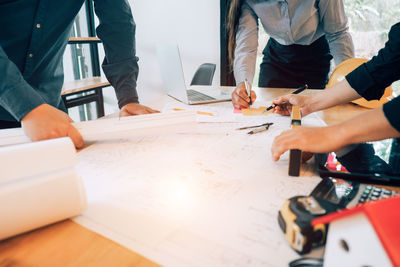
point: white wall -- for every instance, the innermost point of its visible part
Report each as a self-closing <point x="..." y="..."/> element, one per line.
<point x="193" y="24"/>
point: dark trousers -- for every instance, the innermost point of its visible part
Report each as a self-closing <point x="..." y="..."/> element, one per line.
<point x="291" y="66"/>
<point x="9" y="124"/>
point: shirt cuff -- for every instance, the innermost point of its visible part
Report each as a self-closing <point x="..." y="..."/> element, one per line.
<point x="123" y="76"/>
<point x="361" y="80"/>
<point x="242" y="76"/>
<point x="391" y="110"/>
<point x="20" y="100"/>
<point x="128" y="100"/>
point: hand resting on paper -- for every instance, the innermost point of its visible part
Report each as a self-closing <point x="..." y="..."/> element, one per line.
<point x="47" y="122"/>
<point x="132" y="109"/>
<point x="311" y="139"/>
<point x="368" y="126"/>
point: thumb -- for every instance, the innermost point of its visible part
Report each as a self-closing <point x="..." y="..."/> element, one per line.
<point x="75" y="136"/>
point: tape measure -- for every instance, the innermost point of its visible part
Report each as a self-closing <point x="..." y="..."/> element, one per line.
<point x="295" y="221"/>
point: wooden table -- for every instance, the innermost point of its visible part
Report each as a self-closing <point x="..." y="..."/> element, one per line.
<point x="69" y="244"/>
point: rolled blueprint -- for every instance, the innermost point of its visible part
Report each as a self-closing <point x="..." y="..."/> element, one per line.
<point x="38" y="186"/>
<point x="117" y="128"/>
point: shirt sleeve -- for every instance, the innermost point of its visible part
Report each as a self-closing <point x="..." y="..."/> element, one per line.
<point x="371" y="78"/>
<point x="392" y="110"/>
<point x="117" y="31"/>
<point x="16" y="95"/>
<point x="246" y="45"/>
<point x="335" y="26"/>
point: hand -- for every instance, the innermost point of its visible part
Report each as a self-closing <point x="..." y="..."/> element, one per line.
<point x="132" y="109"/>
<point x="285" y="103"/>
<point x="240" y="99"/>
<point x="46" y="122"/>
<point x="310" y="139"/>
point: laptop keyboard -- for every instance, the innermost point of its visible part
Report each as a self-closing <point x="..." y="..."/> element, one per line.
<point x="197" y="96"/>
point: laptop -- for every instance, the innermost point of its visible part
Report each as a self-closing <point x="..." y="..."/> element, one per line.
<point x="174" y="82"/>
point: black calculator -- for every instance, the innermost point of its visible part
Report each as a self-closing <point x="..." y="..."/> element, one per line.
<point x="349" y="194"/>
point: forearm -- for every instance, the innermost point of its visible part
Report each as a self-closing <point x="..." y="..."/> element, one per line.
<point x="117" y="31"/>
<point x="335" y="26"/>
<point x="341" y="93"/>
<point x="246" y="46"/>
<point x="369" y="126"/>
<point x="341" y="46"/>
<point x="371" y="78"/>
<point x="16" y="95"/>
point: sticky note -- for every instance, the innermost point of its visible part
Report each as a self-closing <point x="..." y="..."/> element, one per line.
<point x="255" y="111"/>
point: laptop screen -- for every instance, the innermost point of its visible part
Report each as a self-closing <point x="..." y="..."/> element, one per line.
<point x="375" y="162"/>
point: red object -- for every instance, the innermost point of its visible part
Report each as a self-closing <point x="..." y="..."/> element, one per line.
<point x="384" y="216"/>
<point x="237" y="110"/>
<point x="333" y="165"/>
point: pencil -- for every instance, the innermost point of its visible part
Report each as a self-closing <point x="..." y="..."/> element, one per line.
<point x="259" y="130"/>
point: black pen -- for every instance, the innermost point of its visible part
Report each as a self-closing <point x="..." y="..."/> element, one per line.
<point x="298" y="91"/>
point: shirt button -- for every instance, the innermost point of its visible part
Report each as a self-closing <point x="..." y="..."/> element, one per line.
<point x="38" y="26"/>
<point x="30" y="55"/>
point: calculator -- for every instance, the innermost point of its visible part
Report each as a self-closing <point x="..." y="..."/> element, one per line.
<point x="370" y="193"/>
<point x="348" y="194"/>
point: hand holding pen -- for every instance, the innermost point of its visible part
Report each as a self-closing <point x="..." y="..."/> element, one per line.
<point x="243" y="96"/>
<point x="283" y="105"/>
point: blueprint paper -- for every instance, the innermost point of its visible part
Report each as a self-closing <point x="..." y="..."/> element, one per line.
<point x="204" y="198"/>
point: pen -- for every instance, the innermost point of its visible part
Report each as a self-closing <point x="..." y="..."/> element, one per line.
<point x="249" y="127"/>
<point x="259" y="130"/>
<point x="246" y="85"/>
<point x="298" y="91"/>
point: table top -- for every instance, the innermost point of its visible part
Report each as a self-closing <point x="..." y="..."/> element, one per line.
<point x="71" y="244"/>
<point x="82" y="85"/>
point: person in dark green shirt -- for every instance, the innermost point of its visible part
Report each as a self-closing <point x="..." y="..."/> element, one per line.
<point x="369" y="81"/>
<point x="33" y="37"/>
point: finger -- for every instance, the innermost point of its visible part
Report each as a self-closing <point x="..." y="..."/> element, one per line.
<point x="150" y="110"/>
<point x="275" y="150"/>
<point x="75" y="136"/>
<point x="281" y="100"/>
<point x="286" y="109"/>
<point x="241" y="103"/>
<point x="282" y="143"/>
<point x="243" y="95"/>
<point x="282" y="110"/>
<point x="253" y="96"/>
<point x="139" y="111"/>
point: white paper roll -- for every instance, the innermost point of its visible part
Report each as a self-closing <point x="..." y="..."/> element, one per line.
<point x="32" y="159"/>
<point x="54" y="193"/>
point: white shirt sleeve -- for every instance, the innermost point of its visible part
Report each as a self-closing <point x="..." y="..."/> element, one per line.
<point x="335" y="26"/>
<point x="246" y="46"/>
